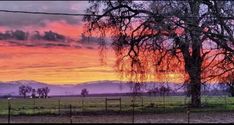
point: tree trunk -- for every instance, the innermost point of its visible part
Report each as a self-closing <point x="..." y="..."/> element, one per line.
<point x="193" y="67"/>
<point x="195" y="59"/>
<point x="232" y="91"/>
<point x="195" y="90"/>
<point x="194" y="71"/>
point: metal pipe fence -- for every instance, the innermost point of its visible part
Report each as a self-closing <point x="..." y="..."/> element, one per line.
<point x="125" y="105"/>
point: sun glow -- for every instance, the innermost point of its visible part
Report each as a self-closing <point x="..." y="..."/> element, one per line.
<point x="59" y="65"/>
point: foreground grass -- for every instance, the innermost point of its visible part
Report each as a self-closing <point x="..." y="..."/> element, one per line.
<point x="96" y="105"/>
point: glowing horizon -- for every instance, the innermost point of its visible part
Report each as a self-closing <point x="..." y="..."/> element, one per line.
<point x="59" y="65"/>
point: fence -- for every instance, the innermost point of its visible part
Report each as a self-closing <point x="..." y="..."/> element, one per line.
<point x="113" y="99"/>
<point x="69" y="106"/>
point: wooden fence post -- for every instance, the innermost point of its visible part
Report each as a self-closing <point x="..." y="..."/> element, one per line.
<point x="120" y="104"/>
<point x="59" y="108"/>
<point x="142" y="103"/>
<point x="225" y="102"/>
<point x="133" y="109"/>
<point x="70" y="113"/>
<point x="164" y="105"/>
<point x="106" y="104"/>
<point x="83" y="103"/>
<point x="34" y="105"/>
<point x="188" y="114"/>
<point x="9" y="111"/>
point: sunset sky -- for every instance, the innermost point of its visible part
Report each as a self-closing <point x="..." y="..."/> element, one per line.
<point x="52" y="64"/>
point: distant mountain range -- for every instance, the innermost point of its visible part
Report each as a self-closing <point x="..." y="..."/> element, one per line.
<point x="95" y="87"/>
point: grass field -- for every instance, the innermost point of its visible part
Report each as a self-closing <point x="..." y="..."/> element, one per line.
<point x="95" y="105"/>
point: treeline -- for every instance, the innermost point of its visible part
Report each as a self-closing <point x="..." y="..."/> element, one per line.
<point x="26" y="90"/>
<point x="36" y="35"/>
<point x="163" y="90"/>
<point x="46" y="35"/>
<point x="89" y="39"/>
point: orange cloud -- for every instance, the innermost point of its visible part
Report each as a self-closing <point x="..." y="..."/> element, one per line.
<point x="52" y="65"/>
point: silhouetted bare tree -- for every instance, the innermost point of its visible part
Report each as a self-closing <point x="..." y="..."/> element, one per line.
<point x="164" y="90"/>
<point x="40" y="93"/>
<point x="20" y="35"/>
<point x="43" y="92"/>
<point x="193" y="37"/>
<point x="153" y="91"/>
<point x="33" y="93"/>
<point x="46" y="91"/>
<point x="24" y="90"/>
<point x="84" y="92"/>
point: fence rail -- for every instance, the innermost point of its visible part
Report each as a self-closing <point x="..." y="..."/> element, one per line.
<point x="92" y="105"/>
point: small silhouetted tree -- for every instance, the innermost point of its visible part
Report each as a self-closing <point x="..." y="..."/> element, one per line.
<point x="153" y="91"/>
<point x="164" y="90"/>
<point x="33" y="93"/>
<point x="43" y="92"/>
<point x="150" y="92"/>
<point x="20" y="35"/>
<point x="84" y="92"/>
<point x="24" y="89"/>
<point x="40" y="93"/>
<point x="46" y="91"/>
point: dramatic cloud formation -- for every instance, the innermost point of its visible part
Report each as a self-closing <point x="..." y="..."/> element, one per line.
<point x="17" y="20"/>
<point x="69" y="26"/>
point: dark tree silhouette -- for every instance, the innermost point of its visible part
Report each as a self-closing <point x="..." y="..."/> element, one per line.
<point x="193" y="37"/>
<point x="52" y="36"/>
<point x="84" y="92"/>
<point x="20" y="35"/>
<point x="40" y="93"/>
<point x="33" y="93"/>
<point x="43" y="92"/>
<point x="164" y="90"/>
<point x="46" y="91"/>
<point x="24" y="90"/>
<point x="17" y="34"/>
<point x="153" y="92"/>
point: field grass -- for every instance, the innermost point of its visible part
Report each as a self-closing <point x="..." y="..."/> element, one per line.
<point x="92" y="105"/>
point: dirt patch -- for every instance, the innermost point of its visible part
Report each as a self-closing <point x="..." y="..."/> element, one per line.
<point x="213" y="117"/>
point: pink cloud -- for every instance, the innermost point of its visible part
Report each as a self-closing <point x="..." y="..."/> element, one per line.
<point x="61" y="27"/>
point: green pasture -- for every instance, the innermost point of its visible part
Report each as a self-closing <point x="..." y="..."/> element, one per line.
<point x="147" y="104"/>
